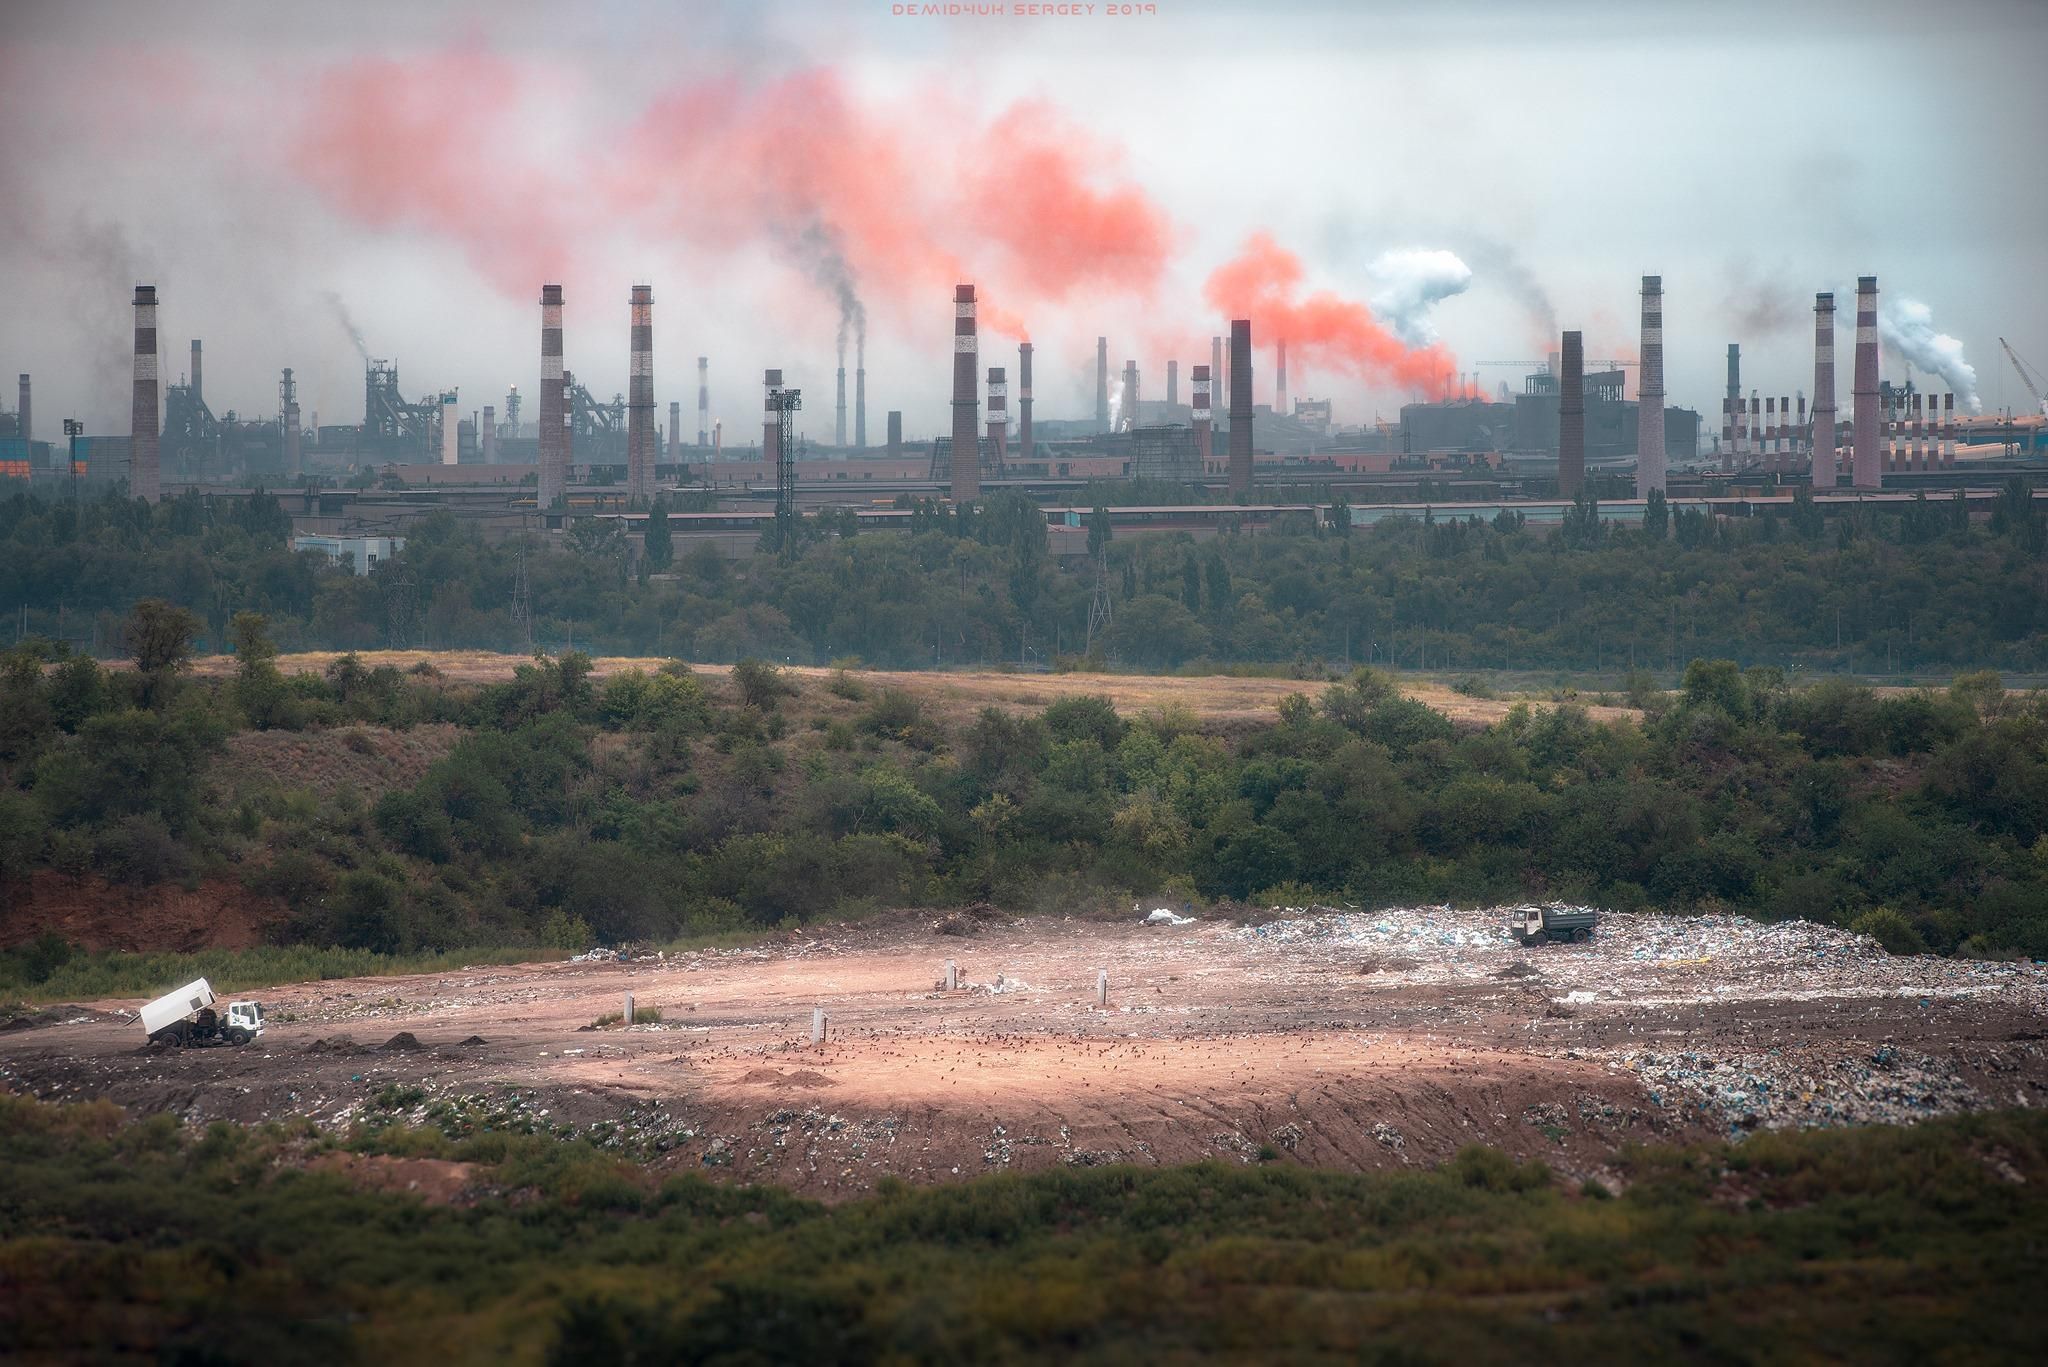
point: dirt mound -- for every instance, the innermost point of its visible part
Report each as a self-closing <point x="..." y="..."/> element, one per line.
<point x="1386" y="963"/>
<point x="472" y="1042"/>
<point x="437" y="1181"/>
<point x="96" y="914"/>
<point x="48" y="1015"/>
<point x="1517" y="969"/>
<point x="775" y="1077"/>
<point x="404" y="1042"/>
<point x="373" y="760"/>
<point x="340" y="1044"/>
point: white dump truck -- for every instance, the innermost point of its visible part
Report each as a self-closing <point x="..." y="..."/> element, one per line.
<point x="186" y="1016"/>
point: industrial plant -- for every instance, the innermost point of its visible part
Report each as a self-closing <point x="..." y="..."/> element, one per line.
<point x="1568" y="429"/>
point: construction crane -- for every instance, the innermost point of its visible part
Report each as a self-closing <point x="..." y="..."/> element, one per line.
<point x="2034" y="383"/>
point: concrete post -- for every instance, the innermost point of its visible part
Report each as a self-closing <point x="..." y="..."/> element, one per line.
<point x="627" y="1016"/>
<point x="817" y="1025"/>
<point x="1102" y="988"/>
<point x="952" y="975"/>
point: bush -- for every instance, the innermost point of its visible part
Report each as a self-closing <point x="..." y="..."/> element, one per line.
<point x="140" y="850"/>
<point x="761" y="684"/>
<point x="1891" y="930"/>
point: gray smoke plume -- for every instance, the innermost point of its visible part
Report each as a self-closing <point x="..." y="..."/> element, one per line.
<point x="1763" y="305"/>
<point x="1498" y="265"/>
<point x="817" y="249"/>
<point x="1907" y="326"/>
<point x="348" y="324"/>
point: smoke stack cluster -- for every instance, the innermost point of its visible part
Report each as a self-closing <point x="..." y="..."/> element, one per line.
<point x="288" y="417"/>
<point x="703" y="400"/>
<point x="895" y="431"/>
<point x="144" y="424"/>
<point x="1240" y="407"/>
<point x="22" y="411"/>
<point x="1128" y="414"/>
<point x="1571" y="419"/>
<point x="1203" y="415"/>
<point x="1102" y="384"/>
<point x="1650" y="393"/>
<point x="860" y="393"/>
<point x="1024" y="445"/>
<point x="1863" y="458"/>
<point x="998" y="413"/>
<point x="554" y="417"/>
<point x="640" y="397"/>
<point x="966" y="440"/>
<point x="1280" y="381"/>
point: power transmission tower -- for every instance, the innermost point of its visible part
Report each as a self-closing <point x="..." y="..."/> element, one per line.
<point x="785" y="402"/>
<point x="1101" y="608"/>
<point x="522" y="598"/>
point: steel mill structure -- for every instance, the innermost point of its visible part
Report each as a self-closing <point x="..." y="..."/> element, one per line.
<point x="288" y="421"/>
<point x="640" y="397"/>
<point x="1650" y="392"/>
<point x="1571" y="418"/>
<point x="1240" y="407"/>
<point x="553" y="432"/>
<point x="966" y="466"/>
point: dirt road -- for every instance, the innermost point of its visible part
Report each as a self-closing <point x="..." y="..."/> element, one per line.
<point x="1336" y="1039"/>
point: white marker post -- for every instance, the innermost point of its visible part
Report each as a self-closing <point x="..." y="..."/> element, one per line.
<point x="817" y="1025"/>
<point x="1102" y="988"/>
<point x="952" y="975"/>
<point x="627" y="1018"/>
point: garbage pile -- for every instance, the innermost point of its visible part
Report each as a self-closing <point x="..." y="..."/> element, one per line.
<point x="1774" y="1089"/>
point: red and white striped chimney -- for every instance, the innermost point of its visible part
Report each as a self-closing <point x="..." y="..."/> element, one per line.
<point x="1650" y="393"/>
<point x="1864" y="460"/>
<point x="998" y="415"/>
<point x="771" y="421"/>
<point x="1203" y="416"/>
<point x="966" y="461"/>
<point x="1823" y="391"/>
<point x="640" y="397"/>
<point x="554" y="416"/>
<point x="144" y="423"/>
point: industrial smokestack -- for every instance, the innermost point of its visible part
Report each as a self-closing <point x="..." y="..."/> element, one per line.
<point x="22" y="411"/>
<point x="703" y="400"/>
<point x="288" y="419"/>
<point x="1734" y="372"/>
<point x="860" y="392"/>
<point x="488" y="435"/>
<point x="895" y="433"/>
<point x="198" y="388"/>
<point x="966" y="439"/>
<point x="1240" y="407"/>
<point x="1571" y="419"/>
<point x="1204" y="419"/>
<point x="1127" y="415"/>
<point x="1863" y="458"/>
<point x="1172" y="383"/>
<point x="1650" y="393"/>
<point x="1102" y="384"/>
<point x="998" y="413"/>
<point x="640" y="397"/>
<point x="554" y="416"/>
<point x="771" y="423"/>
<point x="1280" y="382"/>
<point x="839" y="411"/>
<point x="1216" y="371"/>
<point x="451" y="429"/>
<point x="143" y="424"/>
<point x="1025" y="447"/>
<point x="675" y="430"/>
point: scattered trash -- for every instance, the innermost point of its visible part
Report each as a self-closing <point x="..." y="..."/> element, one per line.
<point x="599" y="955"/>
<point x="1163" y="917"/>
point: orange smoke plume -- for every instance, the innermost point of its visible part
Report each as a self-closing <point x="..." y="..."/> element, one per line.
<point x="1263" y="283"/>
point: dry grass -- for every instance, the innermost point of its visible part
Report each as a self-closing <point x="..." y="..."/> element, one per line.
<point x="1215" y="700"/>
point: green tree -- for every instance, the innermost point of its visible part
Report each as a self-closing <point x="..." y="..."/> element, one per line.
<point x="1656" y="516"/>
<point x="160" y="638"/>
<point x="657" y="546"/>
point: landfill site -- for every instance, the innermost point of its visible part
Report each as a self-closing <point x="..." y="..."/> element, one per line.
<point x="826" y="1059"/>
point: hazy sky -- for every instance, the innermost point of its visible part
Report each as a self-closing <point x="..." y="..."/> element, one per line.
<point x="419" y="167"/>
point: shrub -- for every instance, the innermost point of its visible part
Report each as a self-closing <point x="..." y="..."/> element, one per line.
<point x="761" y="684"/>
<point x="139" y="850"/>
<point x="1890" y="929"/>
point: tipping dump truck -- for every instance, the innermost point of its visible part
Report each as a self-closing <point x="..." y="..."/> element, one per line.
<point x="1537" y="925"/>
<point x="186" y="1016"/>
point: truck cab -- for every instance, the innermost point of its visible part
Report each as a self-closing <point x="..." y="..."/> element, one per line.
<point x="1539" y="925"/>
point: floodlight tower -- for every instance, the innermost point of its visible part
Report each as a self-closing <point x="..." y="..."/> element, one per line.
<point x="783" y="402"/>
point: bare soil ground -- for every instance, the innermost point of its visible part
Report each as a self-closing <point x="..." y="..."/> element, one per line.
<point x="1340" y="1040"/>
<point x="90" y="911"/>
<point x="373" y="760"/>
<point x="958" y="694"/>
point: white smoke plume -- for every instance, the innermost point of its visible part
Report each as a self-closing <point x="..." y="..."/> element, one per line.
<point x="1907" y="327"/>
<point x="1116" y="405"/>
<point x="1410" y="283"/>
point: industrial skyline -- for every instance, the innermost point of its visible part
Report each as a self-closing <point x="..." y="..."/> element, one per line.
<point x="276" y="224"/>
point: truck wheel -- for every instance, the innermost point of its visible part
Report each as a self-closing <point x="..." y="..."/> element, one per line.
<point x="1582" y="935"/>
<point x="238" y="1036"/>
